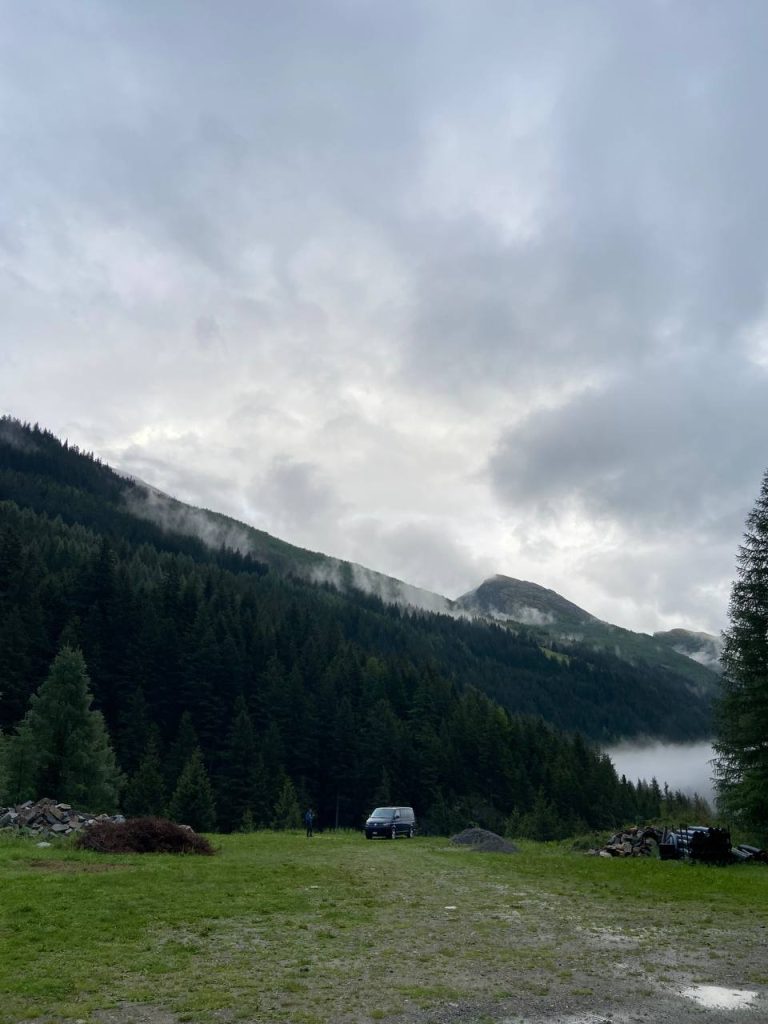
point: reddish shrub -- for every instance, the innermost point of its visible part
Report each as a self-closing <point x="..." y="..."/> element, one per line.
<point x="142" y="835"/>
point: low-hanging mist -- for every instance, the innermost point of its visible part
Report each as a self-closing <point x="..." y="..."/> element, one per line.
<point x="683" y="766"/>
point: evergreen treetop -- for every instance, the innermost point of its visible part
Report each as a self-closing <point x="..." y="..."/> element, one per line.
<point x="62" y="747"/>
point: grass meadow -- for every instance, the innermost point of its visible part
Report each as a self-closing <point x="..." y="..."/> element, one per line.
<point x="278" y="927"/>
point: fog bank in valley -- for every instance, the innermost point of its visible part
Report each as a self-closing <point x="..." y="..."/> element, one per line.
<point x="684" y="766"/>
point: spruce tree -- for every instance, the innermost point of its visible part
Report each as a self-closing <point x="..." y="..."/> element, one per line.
<point x="145" y="792"/>
<point x="62" y="747"/>
<point x="182" y="748"/>
<point x="20" y="759"/>
<point x="241" y="781"/>
<point x="741" y="745"/>
<point x="192" y="802"/>
<point x="287" y="813"/>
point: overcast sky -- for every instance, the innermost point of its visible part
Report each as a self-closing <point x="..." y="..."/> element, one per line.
<point x="445" y="288"/>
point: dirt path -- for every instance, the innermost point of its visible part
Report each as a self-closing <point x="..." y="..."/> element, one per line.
<point x="624" y="972"/>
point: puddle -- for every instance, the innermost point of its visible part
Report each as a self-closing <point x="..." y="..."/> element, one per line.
<point x="712" y="997"/>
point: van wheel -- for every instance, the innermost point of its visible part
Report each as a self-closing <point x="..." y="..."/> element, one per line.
<point x="368" y="835"/>
<point x="410" y="832"/>
<point x="393" y="834"/>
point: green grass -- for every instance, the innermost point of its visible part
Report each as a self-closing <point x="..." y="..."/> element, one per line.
<point x="280" y="928"/>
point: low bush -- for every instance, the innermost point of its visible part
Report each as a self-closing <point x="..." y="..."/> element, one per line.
<point x="143" y="835"/>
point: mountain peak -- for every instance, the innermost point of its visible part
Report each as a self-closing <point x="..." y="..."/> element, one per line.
<point x="504" y="597"/>
<point x="701" y="647"/>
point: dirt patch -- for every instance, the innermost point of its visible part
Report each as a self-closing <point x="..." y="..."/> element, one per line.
<point x="73" y="867"/>
<point x="480" y="840"/>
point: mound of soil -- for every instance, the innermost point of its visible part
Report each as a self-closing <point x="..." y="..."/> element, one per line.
<point x="480" y="840"/>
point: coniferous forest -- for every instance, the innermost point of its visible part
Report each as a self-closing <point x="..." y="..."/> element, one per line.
<point x="234" y="695"/>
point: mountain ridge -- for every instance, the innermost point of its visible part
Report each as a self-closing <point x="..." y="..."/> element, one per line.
<point x="282" y="689"/>
<point x="499" y="598"/>
<point x="552" y="616"/>
<point x="616" y="675"/>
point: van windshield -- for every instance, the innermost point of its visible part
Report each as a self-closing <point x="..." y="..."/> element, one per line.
<point x="383" y="812"/>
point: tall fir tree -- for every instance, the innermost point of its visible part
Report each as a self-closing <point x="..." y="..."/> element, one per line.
<point x="62" y="747"/>
<point x="741" y="745"/>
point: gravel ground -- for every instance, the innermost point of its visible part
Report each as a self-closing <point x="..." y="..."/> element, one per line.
<point x="520" y="956"/>
<point x="618" y="973"/>
<point x="482" y="841"/>
<point x="543" y="960"/>
<point x="423" y="933"/>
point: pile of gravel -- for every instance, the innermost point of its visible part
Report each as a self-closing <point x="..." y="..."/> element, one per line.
<point x="480" y="840"/>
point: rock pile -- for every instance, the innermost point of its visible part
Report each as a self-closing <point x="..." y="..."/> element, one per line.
<point x="47" y="817"/>
<point x="632" y="842"/>
<point x="480" y="840"/>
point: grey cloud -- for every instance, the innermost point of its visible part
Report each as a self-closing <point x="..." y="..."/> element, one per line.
<point x="175" y="474"/>
<point x="221" y="231"/>
<point x="679" y="446"/>
<point x="651" y="229"/>
<point x="295" y="498"/>
<point x="683" y="580"/>
<point x="423" y="553"/>
<point x="206" y="131"/>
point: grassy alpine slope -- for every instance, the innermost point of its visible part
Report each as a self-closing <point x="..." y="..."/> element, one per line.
<point x="281" y="928"/>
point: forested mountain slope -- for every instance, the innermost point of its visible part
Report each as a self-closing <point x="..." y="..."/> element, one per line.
<point x="701" y="647"/>
<point x="548" y="615"/>
<point x="298" y="686"/>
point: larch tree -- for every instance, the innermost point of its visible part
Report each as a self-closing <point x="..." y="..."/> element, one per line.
<point x="741" y="745"/>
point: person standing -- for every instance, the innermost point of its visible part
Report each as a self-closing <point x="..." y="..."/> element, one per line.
<point x="309" y="821"/>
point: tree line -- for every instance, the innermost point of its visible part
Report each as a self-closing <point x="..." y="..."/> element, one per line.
<point x="229" y="692"/>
